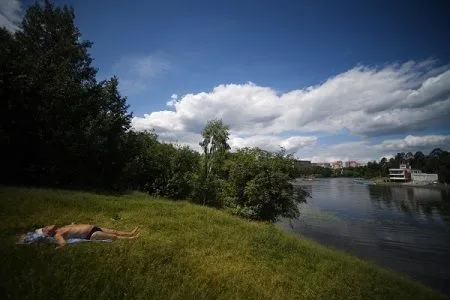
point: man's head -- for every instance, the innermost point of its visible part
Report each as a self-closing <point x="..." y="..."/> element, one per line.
<point x="48" y="230"/>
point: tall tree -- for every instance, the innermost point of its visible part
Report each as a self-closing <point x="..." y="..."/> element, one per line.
<point x="105" y="132"/>
<point x="67" y="127"/>
<point x="384" y="165"/>
<point x="400" y="158"/>
<point x="418" y="161"/>
<point x="56" y="73"/>
<point x="436" y="152"/>
<point x="409" y="157"/>
<point x="215" y="146"/>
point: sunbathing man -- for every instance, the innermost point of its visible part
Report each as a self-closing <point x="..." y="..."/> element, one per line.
<point x="84" y="231"/>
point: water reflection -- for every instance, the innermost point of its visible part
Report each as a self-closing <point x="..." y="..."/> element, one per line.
<point x="404" y="228"/>
<point x="413" y="200"/>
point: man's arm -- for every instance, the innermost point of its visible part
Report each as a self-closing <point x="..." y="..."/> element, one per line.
<point x="60" y="240"/>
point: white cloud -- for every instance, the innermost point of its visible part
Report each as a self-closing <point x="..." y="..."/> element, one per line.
<point x="360" y="151"/>
<point x="411" y="143"/>
<point x="365" y="101"/>
<point x="159" y="122"/>
<point x="181" y="138"/>
<point x="364" y="151"/>
<point x="11" y="13"/>
<point x="136" y="72"/>
<point x="173" y="100"/>
<point x="273" y="143"/>
<point x="177" y="135"/>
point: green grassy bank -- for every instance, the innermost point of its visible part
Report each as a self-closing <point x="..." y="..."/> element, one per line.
<point x="185" y="251"/>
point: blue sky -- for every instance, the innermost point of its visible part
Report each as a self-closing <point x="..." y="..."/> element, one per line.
<point x="325" y="79"/>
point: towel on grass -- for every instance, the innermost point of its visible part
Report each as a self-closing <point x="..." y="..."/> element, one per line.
<point x="33" y="237"/>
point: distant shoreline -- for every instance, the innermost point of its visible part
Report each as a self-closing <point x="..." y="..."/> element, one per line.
<point x="380" y="182"/>
<point x="441" y="186"/>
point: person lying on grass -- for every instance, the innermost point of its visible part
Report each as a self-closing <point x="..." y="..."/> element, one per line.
<point x="84" y="231"/>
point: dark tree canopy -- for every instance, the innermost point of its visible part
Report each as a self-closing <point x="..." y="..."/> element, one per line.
<point x="56" y="118"/>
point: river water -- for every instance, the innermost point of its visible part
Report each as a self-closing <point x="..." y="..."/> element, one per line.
<point x="406" y="229"/>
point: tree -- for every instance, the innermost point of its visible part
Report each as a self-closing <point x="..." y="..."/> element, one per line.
<point x="418" y="162"/>
<point x="53" y="73"/>
<point x="384" y="165"/>
<point x="400" y="158"/>
<point x="60" y="126"/>
<point x="437" y="152"/>
<point x="409" y="157"/>
<point x="104" y="130"/>
<point x="183" y="165"/>
<point x="215" y="146"/>
<point x="259" y="185"/>
<point x="139" y="172"/>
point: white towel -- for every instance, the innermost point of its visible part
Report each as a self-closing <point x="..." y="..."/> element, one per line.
<point x="34" y="237"/>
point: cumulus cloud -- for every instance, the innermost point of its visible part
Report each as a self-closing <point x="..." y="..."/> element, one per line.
<point x="361" y="151"/>
<point x="273" y="143"/>
<point x="364" y="151"/>
<point x="411" y="143"/>
<point x="363" y="101"/>
<point x="173" y="100"/>
<point x="181" y="138"/>
<point x="366" y="101"/>
<point x="291" y="144"/>
<point x="11" y="13"/>
<point x="136" y="72"/>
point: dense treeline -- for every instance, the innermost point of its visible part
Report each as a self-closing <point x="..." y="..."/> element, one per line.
<point x="437" y="161"/>
<point x="61" y="127"/>
<point x="307" y="170"/>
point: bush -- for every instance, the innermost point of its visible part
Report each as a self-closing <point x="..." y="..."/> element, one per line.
<point x="259" y="185"/>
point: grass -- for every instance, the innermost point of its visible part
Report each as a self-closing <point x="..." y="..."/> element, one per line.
<point x="185" y="251"/>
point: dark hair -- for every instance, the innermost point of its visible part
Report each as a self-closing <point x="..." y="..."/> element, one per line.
<point x="52" y="232"/>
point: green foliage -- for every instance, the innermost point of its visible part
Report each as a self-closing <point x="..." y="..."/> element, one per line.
<point x="259" y="185"/>
<point x="59" y="126"/>
<point x="312" y="170"/>
<point x="184" y="164"/>
<point x="158" y="168"/>
<point x="215" y="147"/>
<point x="438" y="161"/>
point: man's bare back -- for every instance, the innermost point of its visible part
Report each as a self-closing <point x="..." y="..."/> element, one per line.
<point x="79" y="231"/>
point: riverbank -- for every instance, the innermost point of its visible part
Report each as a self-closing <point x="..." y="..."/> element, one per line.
<point x="384" y="181"/>
<point x="185" y="251"/>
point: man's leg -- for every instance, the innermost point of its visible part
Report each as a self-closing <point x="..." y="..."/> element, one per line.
<point x="100" y="235"/>
<point x="120" y="233"/>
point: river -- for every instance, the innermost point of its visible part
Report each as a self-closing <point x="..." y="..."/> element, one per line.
<point x="406" y="229"/>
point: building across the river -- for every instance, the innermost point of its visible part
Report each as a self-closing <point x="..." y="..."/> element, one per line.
<point x="351" y="164"/>
<point x="423" y="178"/>
<point x="405" y="174"/>
<point x="401" y="174"/>
<point x="337" y="164"/>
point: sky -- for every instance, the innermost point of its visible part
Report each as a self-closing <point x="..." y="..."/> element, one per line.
<point x="326" y="80"/>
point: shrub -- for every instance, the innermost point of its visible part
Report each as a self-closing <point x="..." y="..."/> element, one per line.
<point x="259" y="185"/>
